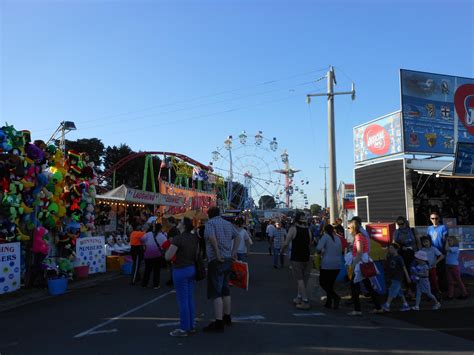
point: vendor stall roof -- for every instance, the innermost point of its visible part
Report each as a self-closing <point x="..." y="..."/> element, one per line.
<point x="124" y="193"/>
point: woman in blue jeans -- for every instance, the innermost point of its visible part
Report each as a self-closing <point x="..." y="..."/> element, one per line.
<point x="182" y="254"/>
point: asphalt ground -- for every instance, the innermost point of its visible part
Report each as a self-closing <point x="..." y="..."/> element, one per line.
<point x="116" y="318"/>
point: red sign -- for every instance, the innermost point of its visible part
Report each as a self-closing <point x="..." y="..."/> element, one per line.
<point x="464" y="103"/>
<point x="377" y="139"/>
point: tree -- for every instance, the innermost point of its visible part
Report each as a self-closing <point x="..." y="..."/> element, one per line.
<point x="129" y="175"/>
<point x="315" y="209"/>
<point x="92" y="146"/>
<point x="266" y="202"/>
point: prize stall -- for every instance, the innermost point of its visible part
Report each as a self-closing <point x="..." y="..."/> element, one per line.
<point x="47" y="206"/>
<point x="114" y="209"/>
<point x="419" y="160"/>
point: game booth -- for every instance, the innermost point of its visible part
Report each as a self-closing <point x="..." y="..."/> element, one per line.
<point x="47" y="219"/>
<point x="420" y="160"/>
<point x="116" y="208"/>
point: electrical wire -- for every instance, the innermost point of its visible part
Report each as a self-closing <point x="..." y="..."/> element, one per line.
<point x="140" y="130"/>
<point x="101" y="118"/>
<point x="104" y="124"/>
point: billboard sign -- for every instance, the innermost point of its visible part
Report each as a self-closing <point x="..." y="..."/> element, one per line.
<point x="10" y="267"/>
<point x="464" y="162"/>
<point x="91" y="251"/>
<point x="378" y="138"/>
<point x="437" y="111"/>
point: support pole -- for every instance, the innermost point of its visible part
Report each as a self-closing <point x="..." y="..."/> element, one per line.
<point x="331" y="138"/>
<point x="331" y="147"/>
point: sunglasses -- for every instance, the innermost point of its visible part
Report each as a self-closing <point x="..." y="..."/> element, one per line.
<point x="434" y="219"/>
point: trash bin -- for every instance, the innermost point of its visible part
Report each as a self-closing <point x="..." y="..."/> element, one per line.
<point x="57" y="286"/>
<point x="81" y="272"/>
<point x="126" y="269"/>
<point x="381" y="232"/>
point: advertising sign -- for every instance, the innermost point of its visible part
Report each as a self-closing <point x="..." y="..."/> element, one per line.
<point x="466" y="262"/>
<point x="349" y="197"/>
<point x="9" y="267"/>
<point x="152" y="198"/>
<point x="437" y="111"/>
<point x="191" y="199"/>
<point x="464" y="162"/>
<point x="91" y="251"/>
<point x="378" y="138"/>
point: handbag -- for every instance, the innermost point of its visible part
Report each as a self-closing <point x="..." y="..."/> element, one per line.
<point x="368" y="270"/>
<point x="162" y="261"/>
<point x="200" y="267"/>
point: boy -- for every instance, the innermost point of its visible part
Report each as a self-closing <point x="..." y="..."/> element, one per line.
<point x="396" y="272"/>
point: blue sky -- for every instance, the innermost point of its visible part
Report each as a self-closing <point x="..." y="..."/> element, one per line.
<point x="182" y="75"/>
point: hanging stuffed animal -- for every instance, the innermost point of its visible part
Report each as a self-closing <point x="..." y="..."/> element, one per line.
<point x="40" y="241"/>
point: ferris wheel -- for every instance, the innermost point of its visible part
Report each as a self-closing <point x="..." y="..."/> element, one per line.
<point x="253" y="162"/>
<point x="298" y="197"/>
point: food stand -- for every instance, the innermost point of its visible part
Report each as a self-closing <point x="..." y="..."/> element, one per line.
<point x="404" y="161"/>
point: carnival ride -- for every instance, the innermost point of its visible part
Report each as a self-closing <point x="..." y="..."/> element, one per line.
<point x="255" y="164"/>
<point x="173" y="160"/>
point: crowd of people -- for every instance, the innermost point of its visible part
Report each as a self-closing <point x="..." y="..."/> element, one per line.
<point x="415" y="266"/>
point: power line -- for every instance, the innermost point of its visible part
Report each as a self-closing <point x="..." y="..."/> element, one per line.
<point x="148" y="108"/>
<point x="197" y="106"/>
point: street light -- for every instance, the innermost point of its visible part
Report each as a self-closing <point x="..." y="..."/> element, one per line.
<point x="64" y="127"/>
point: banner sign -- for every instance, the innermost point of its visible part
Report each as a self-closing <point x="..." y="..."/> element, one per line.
<point x="436" y="109"/>
<point x="349" y="197"/>
<point x="191" y="199"/>
<point x="9" y="267"/>
<point x="464" y="162"/>
<point x="466" y="262"/>
<point x="378" y="138"/>
<point x="91" y="251"/>
<point x="152" y="198"/>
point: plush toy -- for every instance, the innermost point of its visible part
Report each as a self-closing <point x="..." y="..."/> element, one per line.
<point x="34" y="152"/>
<point x="65" y="265"/>
<point x="7" y="231"/>
<point x="40" y="241"/>
<point x="5" y="145"/>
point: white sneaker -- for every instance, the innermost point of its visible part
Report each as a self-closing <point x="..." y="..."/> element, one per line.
<point x="297" y="300"/>
<point x="437" y="306"/>
<point x="415" y="308"/>
<point x="354" y="313"/>
<point x="179" y="333"/>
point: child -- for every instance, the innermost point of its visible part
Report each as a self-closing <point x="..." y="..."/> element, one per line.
<point x="419" y="274"/>
<point x="453" y="272"/>
<point x="434" y="257"/>
<point x="396" y="272"/>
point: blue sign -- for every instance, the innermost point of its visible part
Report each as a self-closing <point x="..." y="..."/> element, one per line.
<point x="378" y="138"/>
<point x="464" y="162"/>
<point x="429" y="117"/>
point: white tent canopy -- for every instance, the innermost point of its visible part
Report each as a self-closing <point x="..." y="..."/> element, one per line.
<point x="126" y="194"/>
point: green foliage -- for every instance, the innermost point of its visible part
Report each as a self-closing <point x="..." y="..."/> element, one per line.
<point x="92" y="146"/>
<point x="266" y="202"/>
<point x="315" y="209"/>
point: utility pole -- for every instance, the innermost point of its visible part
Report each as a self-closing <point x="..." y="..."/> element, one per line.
<point x="325" y="185"/>
<point x="331" y="138"/>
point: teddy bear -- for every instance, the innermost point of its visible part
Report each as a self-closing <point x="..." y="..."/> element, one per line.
<point x="40" y="240"/>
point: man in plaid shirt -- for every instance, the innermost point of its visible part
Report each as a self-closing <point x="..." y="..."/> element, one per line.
<point x="220" y="247"/>
<point x="277" y="238"/>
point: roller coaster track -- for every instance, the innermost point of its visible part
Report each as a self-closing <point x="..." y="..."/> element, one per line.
<point x="122" y="162"/>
